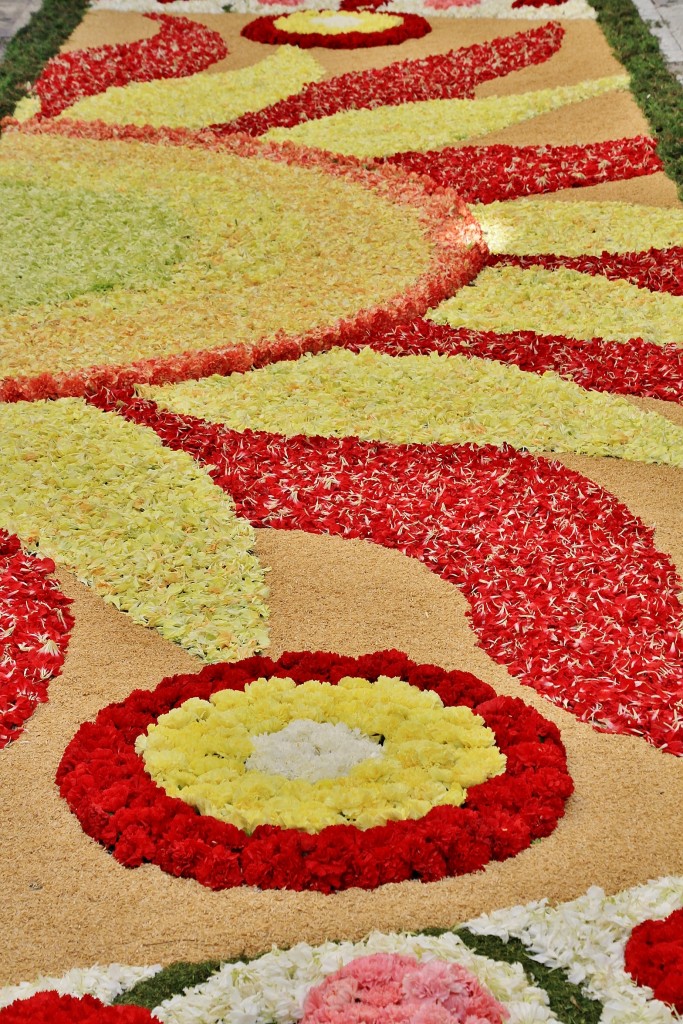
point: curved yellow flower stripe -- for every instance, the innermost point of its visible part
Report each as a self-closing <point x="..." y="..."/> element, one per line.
<point x="564" y="302"/>
<point x="432" y="124"/>
<point x="430" y="754"/>
<point x="572" y="229"/>
<point x="202" y="99"/>
<point x="424" y="399"/>
<point x="265" y="252"/>
<point x="144" y="526"/>
<point x="331" y="23"/>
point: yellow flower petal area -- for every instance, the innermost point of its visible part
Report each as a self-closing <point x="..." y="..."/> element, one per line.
<point x="202" y="99"/>
<point x="331" y="23"/>
<point x="26" y="108"/>
<point x="563" y="302"/>
<point x="266" y="253"/>
<point x="144" y="526"/>
<point x="425" y="399"/>
<point x="432" y="124"/>
<point x="430" y="753"/>
<point x="572" y="229"/>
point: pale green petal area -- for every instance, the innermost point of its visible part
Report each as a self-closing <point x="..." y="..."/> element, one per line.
<point x="26" y="108"/>
<point x="204" y="98"/>
<point x="432" y="124"/>
<point x="563" y="302"/>
<point x="540" y="225"/>
<point x="425" y="399"/>
<point x="57" y="243"/>
<point x="142" y="525"/>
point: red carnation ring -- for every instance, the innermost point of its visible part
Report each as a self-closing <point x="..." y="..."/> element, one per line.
<point x="265" y="30"/>
<point x="52" y="1008"/>
<point x="106" y="786"/>
<point x="654" y="957"/>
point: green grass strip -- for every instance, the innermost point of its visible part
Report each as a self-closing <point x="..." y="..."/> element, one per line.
<point x="32" y="46"/>
<point x="566" y="1000"/>
<point x="169" y="982"/>
<point x="659" y="94"/>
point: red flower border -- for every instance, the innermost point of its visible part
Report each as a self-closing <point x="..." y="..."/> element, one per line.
<point x="654" y="957"/>
<point x="458" y="254"/>
<point x="52" y="1008"/>
<point x="106" y="786"/>
<point x="33" y="613"/>
<point x="264" y="30"/>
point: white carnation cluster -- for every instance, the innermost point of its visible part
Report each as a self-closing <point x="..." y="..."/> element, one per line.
<point x="310" y="750"/>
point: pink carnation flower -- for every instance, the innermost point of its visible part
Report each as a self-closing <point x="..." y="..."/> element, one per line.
<point x="392" y="989"/>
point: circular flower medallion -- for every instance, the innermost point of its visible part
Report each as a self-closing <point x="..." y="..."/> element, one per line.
<point x="654" y="957"/>
<point x="340" y="30"/>
<point x="53" y="1008"/>
<point x="190" y="776"/>
<point x="388" y="988"/>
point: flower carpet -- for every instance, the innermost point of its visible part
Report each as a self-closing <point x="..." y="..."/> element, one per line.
<point x="341" y="594"/>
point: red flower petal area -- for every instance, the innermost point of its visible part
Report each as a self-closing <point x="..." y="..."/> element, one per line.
<point x="537" y="3"/>
<point x="458" y="253"/>
<point x="180" y="48"/>
<point x="106" y="786"/>
<point x="654" y="957"/>
<point x="483" y="174"/>
<point x="635" y="367"/>
<point x="34" y="634"/>
<point x="452" y="75"/>
<point x="53" y="1008"/>
<point x="566" y="587"/>
<point x="264" y="30"/>
<point x="658" y="270"/>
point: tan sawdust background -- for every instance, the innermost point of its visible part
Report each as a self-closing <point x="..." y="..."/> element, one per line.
<point x="70" y="904"/>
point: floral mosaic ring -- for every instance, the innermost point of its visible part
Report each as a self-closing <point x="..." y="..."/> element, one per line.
<point x="337" y="30"/>
<point x="104" y="779"/>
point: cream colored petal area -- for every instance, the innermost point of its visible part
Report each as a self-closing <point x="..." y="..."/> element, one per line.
<point x="432" y="124"/>
<point x="425" y="399"/>
<point x="573" y="229"/>
<point x="144" y="526"/>
<point x="563" y="302"/>
<point x="202" y="99"/>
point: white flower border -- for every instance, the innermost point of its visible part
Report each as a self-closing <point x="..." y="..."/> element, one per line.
<point x="586" y="937"/>
<point x="571" y="9"/>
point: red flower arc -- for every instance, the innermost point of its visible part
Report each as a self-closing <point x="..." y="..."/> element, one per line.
<point x="180" y="48"/>
<point x="654" y="957"/>
<point x="565" y="585"/>
<point x="106" y="786"/>
<point x="35" y="624"/>
<point x="265" y="30"/>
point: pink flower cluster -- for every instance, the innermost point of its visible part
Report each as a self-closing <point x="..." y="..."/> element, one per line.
<point x="392" y="989"/>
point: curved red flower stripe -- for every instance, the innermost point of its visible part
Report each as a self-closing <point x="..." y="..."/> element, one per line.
<point x="440" y="76"/>
<point x="180" y="48"/>
<point x="654" y="957"/>
<point x="53" y="1008"/>
<point x="458" y="254"/>
<point x="483" y="174"/>
<point x="361" y="5"/>
<point x="636" y="367"/>
<point x="34" y="634"/>
<point x="106" y="786"/>
<point x="566" y="587"/>
<point x="264" y="30"/>
<point x="658" y="270"/>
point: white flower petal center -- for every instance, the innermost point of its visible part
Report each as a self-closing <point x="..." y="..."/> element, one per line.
<point x="312" y="751"/>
